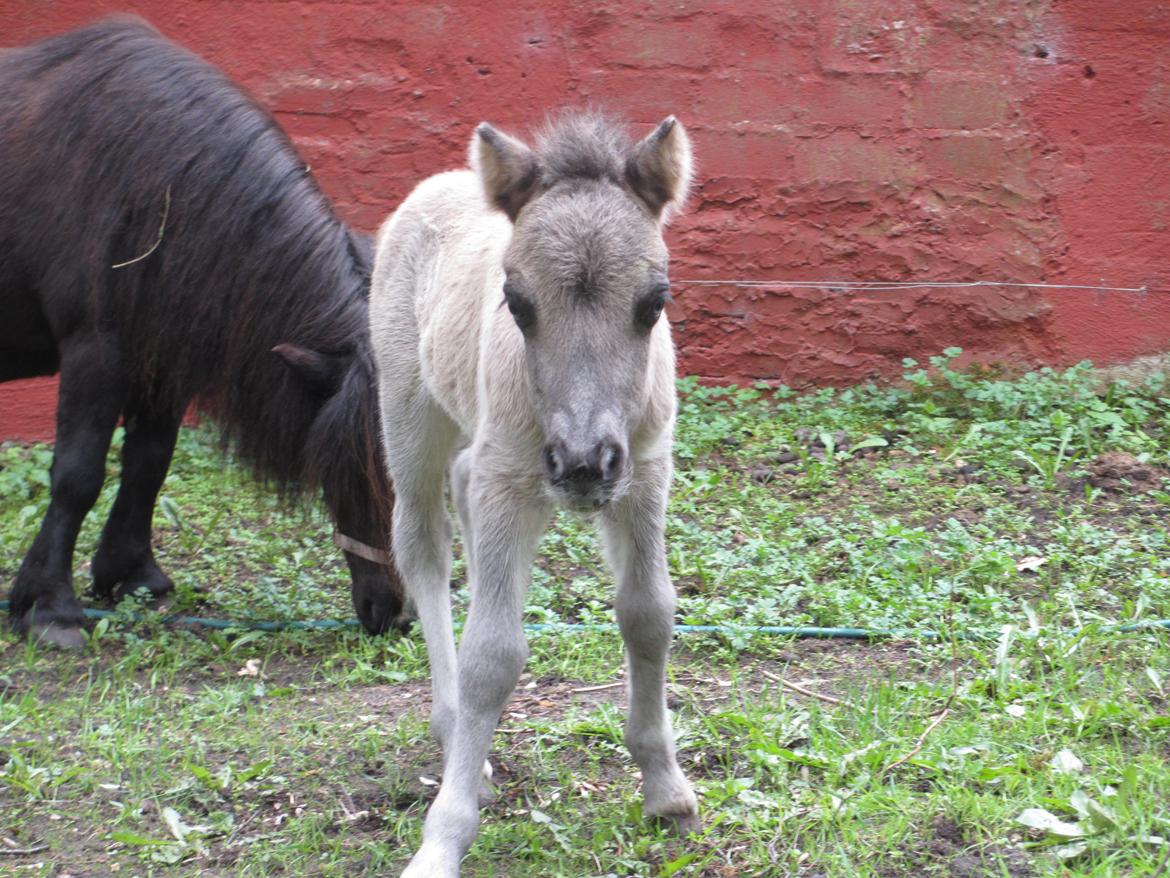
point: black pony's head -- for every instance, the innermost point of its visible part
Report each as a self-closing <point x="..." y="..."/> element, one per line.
<point x="343" y="454"/>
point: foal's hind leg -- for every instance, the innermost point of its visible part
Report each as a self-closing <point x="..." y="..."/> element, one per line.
<point x="633" y="531"/>
<point x="91" y="396"/>
<point x="124" y="557"/>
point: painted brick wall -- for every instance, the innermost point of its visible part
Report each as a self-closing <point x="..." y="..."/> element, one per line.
<point x="1023" y="140"/>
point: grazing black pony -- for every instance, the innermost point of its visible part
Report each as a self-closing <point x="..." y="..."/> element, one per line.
<point x="161" y="242"/>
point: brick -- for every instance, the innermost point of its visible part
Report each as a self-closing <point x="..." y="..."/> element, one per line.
<point x="649" y="44"/>
<point x="981" y="161"/>
<point x="975" y="20"/>
<point x="641" y="98"/>
<point x="944" y="101"/>
<point x="873" y="36"/>
<point x="848" y="157"/>
<point x="850" y="101"/>
<point x="760" y="155"/>
<point x="747" y="96"/>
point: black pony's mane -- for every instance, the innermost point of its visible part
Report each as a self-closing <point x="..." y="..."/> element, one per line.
<point x="181" y="210"/>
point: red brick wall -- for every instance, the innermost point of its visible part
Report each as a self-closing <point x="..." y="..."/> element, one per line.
<point x="1019" y="140"/>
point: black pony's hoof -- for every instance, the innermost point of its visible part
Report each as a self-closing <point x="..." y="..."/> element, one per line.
<point x="63" y="628"/>
<point x="54" y="634"/>
<point x="110" y="583"/>
<point x="154" y="586"/>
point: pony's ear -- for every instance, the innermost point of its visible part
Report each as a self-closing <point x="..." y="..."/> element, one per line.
<point x="320" y="373"/>
<point x="659" y="168"/>
<point x="507" y="168"/>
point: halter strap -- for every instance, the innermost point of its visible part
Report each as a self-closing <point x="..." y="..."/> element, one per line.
<point x="354" y="547"/>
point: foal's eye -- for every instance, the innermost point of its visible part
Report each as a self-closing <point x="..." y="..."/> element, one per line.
<point x="519" y="307"/>
<point x="649" y="307"/>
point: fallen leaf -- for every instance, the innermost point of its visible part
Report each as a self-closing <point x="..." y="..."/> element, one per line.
<point x="1070" y="851"/>
<point x="1156" y="678"/>
<point x="1046" y="821"/>
<point x="1101" y="816"/>
<point x="1030" y="563"/>
<point x="1149" y="839"/>
<point x="175" y="824"/>
<point x="1067" y="762"/>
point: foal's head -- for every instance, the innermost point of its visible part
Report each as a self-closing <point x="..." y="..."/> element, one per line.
<point x="586" y="282"/>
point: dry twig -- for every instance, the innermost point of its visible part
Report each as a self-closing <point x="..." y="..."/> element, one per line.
<point x="796" y="687"/>
<point x="239" y="828"/>
<point x="162" y="227"/>
<point x="942" y="714"/>
<point x="350" y="810"/>
<point x="918" y="745"/>
<point x="12" y="851"/>
<point x="1161" y="870"/>
<point x="582" y="689"/>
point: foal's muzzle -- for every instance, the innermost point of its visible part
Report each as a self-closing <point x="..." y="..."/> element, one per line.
<point x="585" y="473"/>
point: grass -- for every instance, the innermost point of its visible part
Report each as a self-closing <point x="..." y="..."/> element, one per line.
<point x="1031" y="509"/>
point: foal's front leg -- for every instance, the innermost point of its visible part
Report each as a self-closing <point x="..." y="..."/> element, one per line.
<point x="506" y="519"/>
<point x="634" y="537"/>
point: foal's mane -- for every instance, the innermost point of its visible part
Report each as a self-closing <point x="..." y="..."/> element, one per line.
<point x="582" y="145"/>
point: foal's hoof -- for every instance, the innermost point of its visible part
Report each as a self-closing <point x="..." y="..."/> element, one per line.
<point x="676" y="812"/>
<point x="54" y="633"/>
<point x="681" y="825"/>
<point x="432" y="862"/>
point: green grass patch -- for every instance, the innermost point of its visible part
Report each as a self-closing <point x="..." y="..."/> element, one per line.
<point x="1031" y="509"/>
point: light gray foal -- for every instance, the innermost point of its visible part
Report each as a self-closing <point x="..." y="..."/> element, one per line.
<point x="516" y="316"/>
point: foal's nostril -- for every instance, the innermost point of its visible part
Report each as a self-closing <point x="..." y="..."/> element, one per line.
<point x="583" y="470"/>
<point x="611" y="460"/>
<point x="553" y="462"/>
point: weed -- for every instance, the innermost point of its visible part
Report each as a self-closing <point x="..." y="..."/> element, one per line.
<point x="960" y="494"/>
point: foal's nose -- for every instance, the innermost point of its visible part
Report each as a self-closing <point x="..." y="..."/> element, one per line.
<point x="581" y="469"/>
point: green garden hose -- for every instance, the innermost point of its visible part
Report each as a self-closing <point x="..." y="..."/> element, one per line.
<point x="770" y="630"/>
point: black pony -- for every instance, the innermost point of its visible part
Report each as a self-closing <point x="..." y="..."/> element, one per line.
<point x="161" y="242"/>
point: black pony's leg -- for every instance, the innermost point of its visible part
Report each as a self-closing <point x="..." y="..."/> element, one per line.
<point x="92" y="393"/>
<point x="125" y="557"/>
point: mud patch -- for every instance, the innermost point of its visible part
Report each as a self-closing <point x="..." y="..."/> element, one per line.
<point x="949" y="850"/>
<point x="1119" y="473"/>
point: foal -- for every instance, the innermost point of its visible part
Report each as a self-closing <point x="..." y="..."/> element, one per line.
<point x="516" y="319"/>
